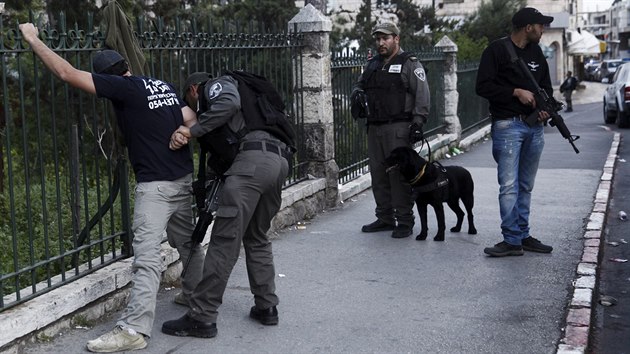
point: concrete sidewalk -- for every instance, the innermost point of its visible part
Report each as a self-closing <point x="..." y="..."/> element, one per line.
<point x="346" y="291"/>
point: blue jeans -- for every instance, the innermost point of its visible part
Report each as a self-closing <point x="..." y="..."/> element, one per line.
<point x="516" y="148"/>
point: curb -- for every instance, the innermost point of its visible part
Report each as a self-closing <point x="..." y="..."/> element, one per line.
<point x="579" y="315"/>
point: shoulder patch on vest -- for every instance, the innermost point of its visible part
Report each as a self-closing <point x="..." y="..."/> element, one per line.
<point x="420" y="74"/>
<point x="215" y="90"/>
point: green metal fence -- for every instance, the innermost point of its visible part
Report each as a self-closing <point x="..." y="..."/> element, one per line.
<point x="471" y="109"/>
<point x="350" y="135"/>
<point x="64" y="182"/>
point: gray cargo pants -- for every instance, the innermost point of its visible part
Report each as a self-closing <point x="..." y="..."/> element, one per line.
<point x="250" y="198"/>
<point x="159" y="206"/>
<point x="392" y="192"/>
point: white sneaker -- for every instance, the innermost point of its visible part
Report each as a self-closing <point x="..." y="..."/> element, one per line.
<point x="117" y="340"/>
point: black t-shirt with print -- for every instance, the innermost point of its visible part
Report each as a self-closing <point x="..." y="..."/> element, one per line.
<point x="148" y="112"/>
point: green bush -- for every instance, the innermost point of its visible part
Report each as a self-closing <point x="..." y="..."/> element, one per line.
<point x="39" y="222"/>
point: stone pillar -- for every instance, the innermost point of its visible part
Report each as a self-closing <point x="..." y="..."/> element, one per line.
<point x="316" y="89"/>
<point x="451" y="96"/>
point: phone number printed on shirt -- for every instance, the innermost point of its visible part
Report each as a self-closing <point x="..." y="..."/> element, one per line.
<point x="161" y="95"/>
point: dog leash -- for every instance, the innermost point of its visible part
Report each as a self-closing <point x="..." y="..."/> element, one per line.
<point x="442" y="180"/>
<point x="419" y="175"/>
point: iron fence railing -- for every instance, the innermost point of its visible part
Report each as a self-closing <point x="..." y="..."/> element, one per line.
<point x="65" y="204"/>
<point x="350" y="135"/>
<point x="471" y="109"/>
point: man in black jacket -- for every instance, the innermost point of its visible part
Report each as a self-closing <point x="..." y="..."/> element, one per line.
<point x="516" y="146"/>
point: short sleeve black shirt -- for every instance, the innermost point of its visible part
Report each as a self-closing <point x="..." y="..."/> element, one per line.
<point x="148" y="112"/>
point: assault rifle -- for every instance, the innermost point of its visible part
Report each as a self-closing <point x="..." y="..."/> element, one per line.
<point x="543" y="101"/>
<point x="207" y="200"/>
<point x="548" y="104"/>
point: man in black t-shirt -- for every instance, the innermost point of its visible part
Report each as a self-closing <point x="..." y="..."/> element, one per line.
<point x="148" y="111"/>
<point x="516" y="146"/>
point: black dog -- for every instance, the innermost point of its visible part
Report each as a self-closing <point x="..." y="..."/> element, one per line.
<point x="434" y="184"/>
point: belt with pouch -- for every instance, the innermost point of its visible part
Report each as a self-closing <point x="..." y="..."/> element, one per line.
<point x="265" y="146"/>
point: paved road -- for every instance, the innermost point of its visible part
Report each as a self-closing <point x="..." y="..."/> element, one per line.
<point x="345" y="291"/>
<point x="610" y="331"/>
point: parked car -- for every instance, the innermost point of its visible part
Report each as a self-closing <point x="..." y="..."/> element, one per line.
<point x="590" y="70"/>
<point x="607" y="68"/>
<point x="617" y="97"/>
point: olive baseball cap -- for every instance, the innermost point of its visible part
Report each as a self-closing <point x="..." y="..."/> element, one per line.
<point x="386" y="28"/>
<point x="105" y="59"/>
<point x="529" y="16"/>
<point x="195" y="78"/>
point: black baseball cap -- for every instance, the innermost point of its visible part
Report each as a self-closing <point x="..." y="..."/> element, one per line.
<point x="105" y="59"/>
<point x="529" y="16"/>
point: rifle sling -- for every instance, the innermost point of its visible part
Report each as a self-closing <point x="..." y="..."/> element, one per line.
<point x="516" y="59"/>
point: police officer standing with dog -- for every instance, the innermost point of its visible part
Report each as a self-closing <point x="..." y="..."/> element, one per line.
<point x="393" y="95"/>
<point x="250" y="198"/>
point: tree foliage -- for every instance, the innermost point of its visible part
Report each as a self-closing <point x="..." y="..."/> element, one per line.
<point x="74" y="11"/>
<point x="468" y="49"/>
<point x="416" y="23"/>
<point x="18" y="10"/>
<point x="420" y="27"/>
<point x="277" y="12"/>
<point x="493" y="20"/>
<point x="349" y="27"/>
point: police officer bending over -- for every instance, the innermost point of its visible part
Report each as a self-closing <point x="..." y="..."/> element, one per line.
<point x="250" y="198"/>
<point x="397" y="94"/>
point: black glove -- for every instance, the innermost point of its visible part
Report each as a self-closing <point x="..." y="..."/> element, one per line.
<point x="415" y="133"/>
<point x="358" y="105"/>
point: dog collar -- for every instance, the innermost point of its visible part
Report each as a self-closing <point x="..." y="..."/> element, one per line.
<point x="419" y="175"/>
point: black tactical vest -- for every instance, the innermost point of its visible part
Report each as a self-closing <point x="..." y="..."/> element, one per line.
<point x="385" y="89"/>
